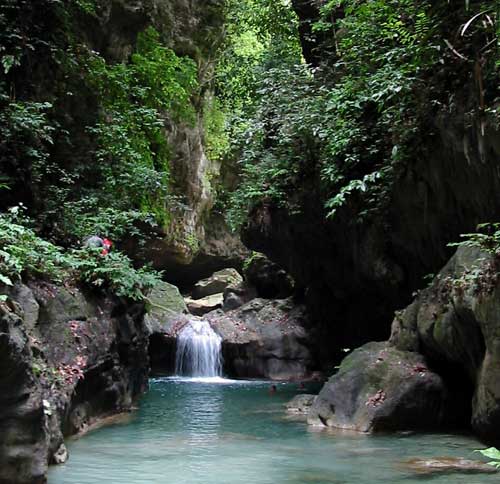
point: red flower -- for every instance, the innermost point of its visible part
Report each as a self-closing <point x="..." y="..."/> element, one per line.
<point x="107" y="243"/>
<point x="104" y="252"/>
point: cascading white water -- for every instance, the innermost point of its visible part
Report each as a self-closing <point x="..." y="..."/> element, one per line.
<point x="198" y="351"/>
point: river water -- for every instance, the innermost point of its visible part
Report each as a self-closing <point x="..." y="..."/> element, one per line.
<point x="223" y="432"/>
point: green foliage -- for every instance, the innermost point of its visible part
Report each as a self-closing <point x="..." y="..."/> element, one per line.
<point x="251" y="259"/>
<point x="113" y="271"/>
<point x="262" y="35"/>
<point x="491" y="453"/>
<point x="133" y="155"/>
<point x="357" y="119"/>
<point x="24" y="254"/>
<point x="22" y="251"/>
<point x="26" y="133"/>
<point x="87" y="6"/>
<point x="487" y="238"/>
<point x="86" y="217"/>
<point x="69" y="169"/>
<point x="217" y="142"/>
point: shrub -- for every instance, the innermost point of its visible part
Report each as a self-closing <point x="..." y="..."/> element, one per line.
<point x="24" y="254"/>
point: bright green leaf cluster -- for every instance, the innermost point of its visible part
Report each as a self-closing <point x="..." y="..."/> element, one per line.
<point x="24" y="254"/>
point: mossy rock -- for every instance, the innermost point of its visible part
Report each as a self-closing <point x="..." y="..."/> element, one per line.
<point x="165" y="304"/>
<point x="378" y="388"/>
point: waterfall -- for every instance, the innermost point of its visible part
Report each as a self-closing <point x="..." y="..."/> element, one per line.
<point x="198" y="351"/>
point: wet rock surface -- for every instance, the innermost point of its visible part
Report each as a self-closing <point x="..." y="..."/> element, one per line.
<point x="447" y="465"/>
<point x="200" y="307"/>
<point x="300" y="404"/>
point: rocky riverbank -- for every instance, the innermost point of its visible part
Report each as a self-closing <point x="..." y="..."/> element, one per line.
<point x="68" y="359"/>
<point x="440" y="366"/>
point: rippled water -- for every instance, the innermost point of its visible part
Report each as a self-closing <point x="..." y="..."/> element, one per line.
<point x="194" y="432"/>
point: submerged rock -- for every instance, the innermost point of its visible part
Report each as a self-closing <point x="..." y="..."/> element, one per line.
<point x="447" y="465"/>
<point x="300" y="404"/>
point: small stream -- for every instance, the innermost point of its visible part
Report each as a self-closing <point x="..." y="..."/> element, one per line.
<point x="194" y="431"/>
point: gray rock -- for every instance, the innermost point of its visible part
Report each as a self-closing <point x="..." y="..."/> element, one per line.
<point x="24" y="296"/>
<point x="456" y="321"/>
<point x="379" y="388"/>
<point x="63" y="373"/>
<point x="200" y="307"/>
<point x="216" y="283"/>
<point x="269" y="279"/>
<point x="23" y="443"/>
<point x="60" y="304"/>
<point x="265" y="339"/>
<point x="447" y="465"/>
<point x="61" y="455"/>
<point x="300" y="404"/>
<point x="164" y="307"/>
<point x="237" y="296"/>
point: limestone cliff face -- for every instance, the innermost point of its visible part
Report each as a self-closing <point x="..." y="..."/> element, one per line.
<point x="193" y="29"/>
<point x="455" y="324"/>
<point x="68" y="359"/>
<point x="357" y="270"/>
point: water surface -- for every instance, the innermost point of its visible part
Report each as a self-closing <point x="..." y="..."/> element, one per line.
<point x="223" y="432"/>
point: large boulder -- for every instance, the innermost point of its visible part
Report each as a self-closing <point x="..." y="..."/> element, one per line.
<point x="268" y="278"/>
<point x="265" y="339"/>
<point x="237" y="296"/>
<point x="166" y="312"/>
<point x="164" y="305"/>
<point x="456" y="324"/>
<point x="200" y="307"/>
<point x="380" y="388"/>
<point x="441" y="365"/>
<point x="216" y="283"/>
